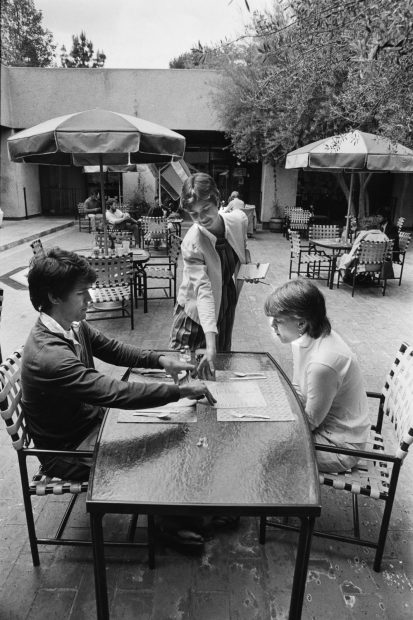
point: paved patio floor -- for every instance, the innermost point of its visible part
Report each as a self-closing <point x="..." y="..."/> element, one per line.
<point x="235" y="578"/>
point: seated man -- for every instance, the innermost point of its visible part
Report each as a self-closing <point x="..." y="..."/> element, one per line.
<point x="92" y="207"/>
<point x="121" y="220"/>
<point x="63" y="396"/>
<point x="234" y="203"/>
<point x="391" y="230"/>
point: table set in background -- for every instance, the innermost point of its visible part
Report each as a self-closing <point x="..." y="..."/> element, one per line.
<point x="247" y="466"/>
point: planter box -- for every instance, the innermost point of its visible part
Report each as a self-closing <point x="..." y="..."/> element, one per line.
<point x="276" y="224"/>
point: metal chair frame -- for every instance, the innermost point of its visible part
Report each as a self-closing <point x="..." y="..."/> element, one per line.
<point x="154" y="229"/>
<point x="42" y="485"/>
<point x="306" y="255"/>
<point x="324" y="231"/>
<point x="377" y="472"/>
<point x="165" y="271"/>
<point x="404" y="240"/>
<point x="115" y="283"/>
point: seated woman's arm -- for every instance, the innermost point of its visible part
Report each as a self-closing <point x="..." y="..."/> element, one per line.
<point x="322" y="387"/>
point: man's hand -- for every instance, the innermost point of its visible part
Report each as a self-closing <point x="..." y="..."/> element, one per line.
<point x="174" y="366"/>
<point x="197" y="390"/>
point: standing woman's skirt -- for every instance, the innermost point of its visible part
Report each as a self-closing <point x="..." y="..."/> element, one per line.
<point x="186" y="332"/>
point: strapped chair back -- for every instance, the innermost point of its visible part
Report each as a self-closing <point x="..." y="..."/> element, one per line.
<point x="83" y="218"/>
<point x="324" y="231"/>
<point x="37" y="247"/>
<point x="163" y="272"/>
<point x="377" y="472"/>
<point x="299" y="221"/>
<point x="113" y="291"/>
<point x="118" y="236"/>
<point x="153" y="230"/>
<point x="370" y="257"/>
<point x="306" y="257"/>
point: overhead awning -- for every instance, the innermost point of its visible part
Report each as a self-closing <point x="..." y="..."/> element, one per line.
<point x="171" y="177"/>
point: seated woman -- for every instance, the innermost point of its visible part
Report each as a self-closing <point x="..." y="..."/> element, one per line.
<point x="326" y="372"/>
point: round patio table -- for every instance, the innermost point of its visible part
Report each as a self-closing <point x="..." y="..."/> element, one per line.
<point x="337" y="246"/>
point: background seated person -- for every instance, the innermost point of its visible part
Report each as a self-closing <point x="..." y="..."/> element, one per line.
<point x="326" y="373"/>
<point x="92" y="206"/>
<point x="234" y="203"/>
<point x="64" y="396"/>
<point x="346" y="260"/>
<point x="121" y="220"/>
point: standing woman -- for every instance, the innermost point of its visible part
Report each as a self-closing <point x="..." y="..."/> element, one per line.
<point x="326" y="373"/>
<point x="212" y="250"/>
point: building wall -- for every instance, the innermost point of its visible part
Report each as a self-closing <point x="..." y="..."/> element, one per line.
<point x="19" y="185"/>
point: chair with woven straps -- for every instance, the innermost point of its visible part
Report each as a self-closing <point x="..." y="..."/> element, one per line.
<point x="163" y="272"/>
<point x="113" y="291"/>
<point x="155" y="231"/>
<point x="370" y="258"/>
<point x="83" y="218"/>
<point x="38" y="483"/>
<point x="307" y="257"/>
<point x="324" y="231"/>
<point x="377" y="473"/>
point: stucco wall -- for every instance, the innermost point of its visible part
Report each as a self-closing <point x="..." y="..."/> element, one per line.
<point x="14" y="179"/>
<point x="176" y="98"/>
<point x="283" y="193"/>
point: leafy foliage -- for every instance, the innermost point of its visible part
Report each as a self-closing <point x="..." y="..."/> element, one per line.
<point x="24" y="41"/>
<point x="81" y="54"/>
<point x="314" y="68"/>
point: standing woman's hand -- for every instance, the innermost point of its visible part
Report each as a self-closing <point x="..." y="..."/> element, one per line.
<point x="206" y="367"/>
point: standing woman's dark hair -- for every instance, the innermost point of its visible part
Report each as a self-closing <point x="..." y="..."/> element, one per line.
<point x="301" y="299"/>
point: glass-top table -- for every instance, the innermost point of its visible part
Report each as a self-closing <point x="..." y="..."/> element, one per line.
<point x="242" y="466"/>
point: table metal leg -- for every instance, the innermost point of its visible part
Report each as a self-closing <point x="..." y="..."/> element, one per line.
<point x="332" y="271"/>
<point x="99" y="567"/>
<point x="301" y="565"/>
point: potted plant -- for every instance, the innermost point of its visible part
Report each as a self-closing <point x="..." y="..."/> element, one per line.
<point x="276" y="221"/>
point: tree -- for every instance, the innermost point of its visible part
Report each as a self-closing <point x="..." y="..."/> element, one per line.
<point x="24" y="41"/>
<point x="81" y="54"/>
<point x="321" y="68"/>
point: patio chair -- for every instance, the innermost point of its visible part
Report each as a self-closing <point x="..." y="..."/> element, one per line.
<point x="306" y="257"/>
<point x="299" y="221"/>
<point x="1" y="307"/>
<point x="117" y="236"/>
<point x="164" y="273"/>
<point x="113" y="291"/>
<point x="37" y="247"/>
<point x="404" y="240"/>
<point x="83" y="218"/>
<point x="377" y="473"/>
<point x="40" y="484"/>
<point x="370" y="259"/>
<point x="155" y="231"/>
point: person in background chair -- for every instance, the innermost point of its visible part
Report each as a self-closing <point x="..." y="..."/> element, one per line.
<point x="121" y="220"/>
<point x="235" y="202"/>
<point x="93" y="208"/>
<point x="64" y="397"/>
<point x="326" y="373"/>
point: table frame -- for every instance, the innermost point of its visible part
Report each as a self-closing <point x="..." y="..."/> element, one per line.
<point x="337" y="247"/>
<point x="305" y="513"/>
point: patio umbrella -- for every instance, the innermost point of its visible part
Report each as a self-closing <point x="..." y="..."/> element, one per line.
<point x="354" y="151"/>
<point x="96" y="137"/>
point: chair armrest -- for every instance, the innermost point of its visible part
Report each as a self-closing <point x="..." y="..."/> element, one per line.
<point x="373" y="394"/>
<point x="372" y="456"/>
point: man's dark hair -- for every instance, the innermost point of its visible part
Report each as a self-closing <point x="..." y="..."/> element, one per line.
<point x="56" y="273"/>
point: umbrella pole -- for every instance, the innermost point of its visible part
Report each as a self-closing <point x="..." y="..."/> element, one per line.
<point x="349" y="204"/>
<point x="102" y="198"/>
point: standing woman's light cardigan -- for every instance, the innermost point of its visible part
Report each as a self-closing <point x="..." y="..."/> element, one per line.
<point x="201" y="288"/>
